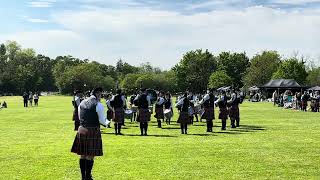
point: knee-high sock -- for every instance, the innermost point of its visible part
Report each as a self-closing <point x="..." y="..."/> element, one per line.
<point x="119" y="128"/>
<point x="185" y="128"/>
<point x="89" y="168"/>
<point x="141" y="128"/>
<point x="145" y="127"/>
<point x="116" y="127"/>
<point x="83" y="163"/>
<point x="182" y="128"/>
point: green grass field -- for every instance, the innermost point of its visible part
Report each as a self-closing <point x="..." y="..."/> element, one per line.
<point x="272" y="143"/>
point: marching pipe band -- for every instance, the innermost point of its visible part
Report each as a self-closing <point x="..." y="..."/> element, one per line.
<point x="189" y="106"/>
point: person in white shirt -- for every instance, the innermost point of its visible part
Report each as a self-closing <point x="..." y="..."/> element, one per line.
<point x="36" y="99"/>
<point x="118" y="102"/>
<point x="208" y="104"/>
<point x="88" y="142"/>
<point x="168" y="107"/>
<point x="110" y="110"/>
<point x="143" y="100"/>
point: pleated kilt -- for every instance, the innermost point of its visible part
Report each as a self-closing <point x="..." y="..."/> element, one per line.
<point x="109" y="114"/>
<point x="208" y="113"/>
<point x="76" y="120"/>
<point x="144" y="115"/>
<point x="234" y="112"/>
<point x="89" y="144"/>
<point x="159" y="113"/>
<point x="184" y="118"/>
<point x="119" y="115"/>
<point x="223" y="113"/>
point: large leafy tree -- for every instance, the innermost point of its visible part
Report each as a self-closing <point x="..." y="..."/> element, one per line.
<point x="292" y="69"/>
<point x="313" y="78"/>
<point x="235" y="65"/>
<point x="262" y="68"/>
<point x="219" y="79"/>
<point x="194" y="69"/>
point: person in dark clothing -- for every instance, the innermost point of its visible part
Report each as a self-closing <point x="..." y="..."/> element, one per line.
<point x="144" y="115"/>
<point x="208" y="104"/>
<point x="118" y="102"/>
<point x="168" y="107"/>
<point x="25" y="97"/>
<point x="223" y="109"/>
<point x="88" y="142"/>
<point x="304" y="101"/>
<point x="234" y="113"/>
<point x="184" y="119"/>
<point x="159" y="109"/>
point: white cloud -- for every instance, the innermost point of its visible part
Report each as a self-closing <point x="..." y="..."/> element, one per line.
<point x="34" y="20"/>
<point x="41" y="3"/>
<point x="161" y="37"/>
<point x="295" y="2"/>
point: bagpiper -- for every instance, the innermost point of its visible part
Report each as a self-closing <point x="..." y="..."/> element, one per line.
<point x="88" y="142"/>
<point x="144" y="115"/>
<point x="234" y="112"/>
<point x="223" y="109"/>
<point x="184" y="119"/>
<point x="118" y="102"/>
<point x="77" y="98"/>
<point x="208" y="104"/>
<point x="159" y="109"/>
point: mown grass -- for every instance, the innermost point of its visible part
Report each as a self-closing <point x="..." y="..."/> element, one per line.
<point x="272" y="143"/>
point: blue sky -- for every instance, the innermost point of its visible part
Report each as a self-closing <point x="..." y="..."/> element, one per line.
<point x="160" y="31"/>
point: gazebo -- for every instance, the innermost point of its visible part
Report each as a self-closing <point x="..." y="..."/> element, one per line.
<point x="282" y="85"/>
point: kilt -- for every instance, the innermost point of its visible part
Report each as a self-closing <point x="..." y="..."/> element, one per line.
<point x="159" y="113"/>
<point x="109" y="114"/>
<point x="134" y="109"/>
<point x="119" y="115"/>
<point x="76" y="120"/>
<point x="208" y="113"/>
<point x="223" y="113"/>
<point x="184" y="118"/>
<point x="144" y="115"/>
<point x="234" y="113"/>
<point x="89" y="144"/>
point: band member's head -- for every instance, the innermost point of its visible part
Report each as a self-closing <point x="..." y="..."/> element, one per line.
<point x="97" y="92"/>
<point x="78" y="93"/>
<point x="143" y="90"/>
<point x="119" y="91"/>
<point x="161" y="94"/>
<point x="185" y="94"/>
<point x="168" y="95"/>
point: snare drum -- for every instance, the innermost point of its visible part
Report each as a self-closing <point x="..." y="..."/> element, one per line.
<point x="197" y="109"/>
<point x="128" y="114"/>
<point x="168" y="113"/>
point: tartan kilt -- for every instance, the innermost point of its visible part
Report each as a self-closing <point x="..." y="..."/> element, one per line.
<point x="184" y="118"/>
<point x="109" y="114"/>
<point x="119" y="115"/>
<point x="304" y="104"/>
<point x="89" y="144"/>
<point x="223" y="113"/>
<point x="159" y="113"/>
<point x="144" y="115"/>
<point x="234" y="113"/>
<point x="208" y="113"/>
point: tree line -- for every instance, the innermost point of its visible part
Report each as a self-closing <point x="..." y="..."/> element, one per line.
<point x="25" y="70"/>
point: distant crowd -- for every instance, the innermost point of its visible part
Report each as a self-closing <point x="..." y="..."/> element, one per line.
<point x="306" y="101"/>
<point x="30" y="99"/>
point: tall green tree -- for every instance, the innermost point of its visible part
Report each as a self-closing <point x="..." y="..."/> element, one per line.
<point x="313" y="78"/>
<point x="262" y="68"/>
<point x="194" y="69"/>
<point x="235" y="65"/>
<point x="219" y="79"/>
<point x="292" y="69"/>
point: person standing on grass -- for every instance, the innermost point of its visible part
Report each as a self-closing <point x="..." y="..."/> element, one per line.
<point x="76" y="102"/>
<point x="144" y="115"/>
<point x="36" y="99"/>
<point x="118" y="103"/>
<point x="223" y="109"/>
<point x="208" y="104"/>
<point x="275" y="97"/>
<point x="25" y="97"/>
<point x="30" y="98"/>
<point x="133" y="108"/>
<point x="168" y="106"/>
<point x="184" y="119"/>
<point x="304" y="101"/>
<point x="234" y="110"/>
<point x="88" y="142"/>
<point x="159" y="109"/>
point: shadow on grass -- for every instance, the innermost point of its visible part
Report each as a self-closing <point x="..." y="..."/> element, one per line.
<point x="249" y="128"/>
<point x="201" y="134"/>
<point x="152" y="135"/>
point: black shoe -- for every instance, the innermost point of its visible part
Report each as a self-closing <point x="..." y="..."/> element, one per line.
<point x="145" y="134"/>
<point x="233" y="126"/>
<point x="120" y="134"/>
<point x="223" y="129"/>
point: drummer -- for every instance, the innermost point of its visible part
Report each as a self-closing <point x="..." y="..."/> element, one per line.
<point x="118" y="103"/>
<point x="143" y="100"/>
<point x="234" y="109"/>
<point x="110" y="109"/>
<point x="159" y="108"/>
<point x="168" y="107"/>
<point x="208" y="104"/>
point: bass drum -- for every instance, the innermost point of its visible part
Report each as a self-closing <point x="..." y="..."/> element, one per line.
<point x="153" y="95"/>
